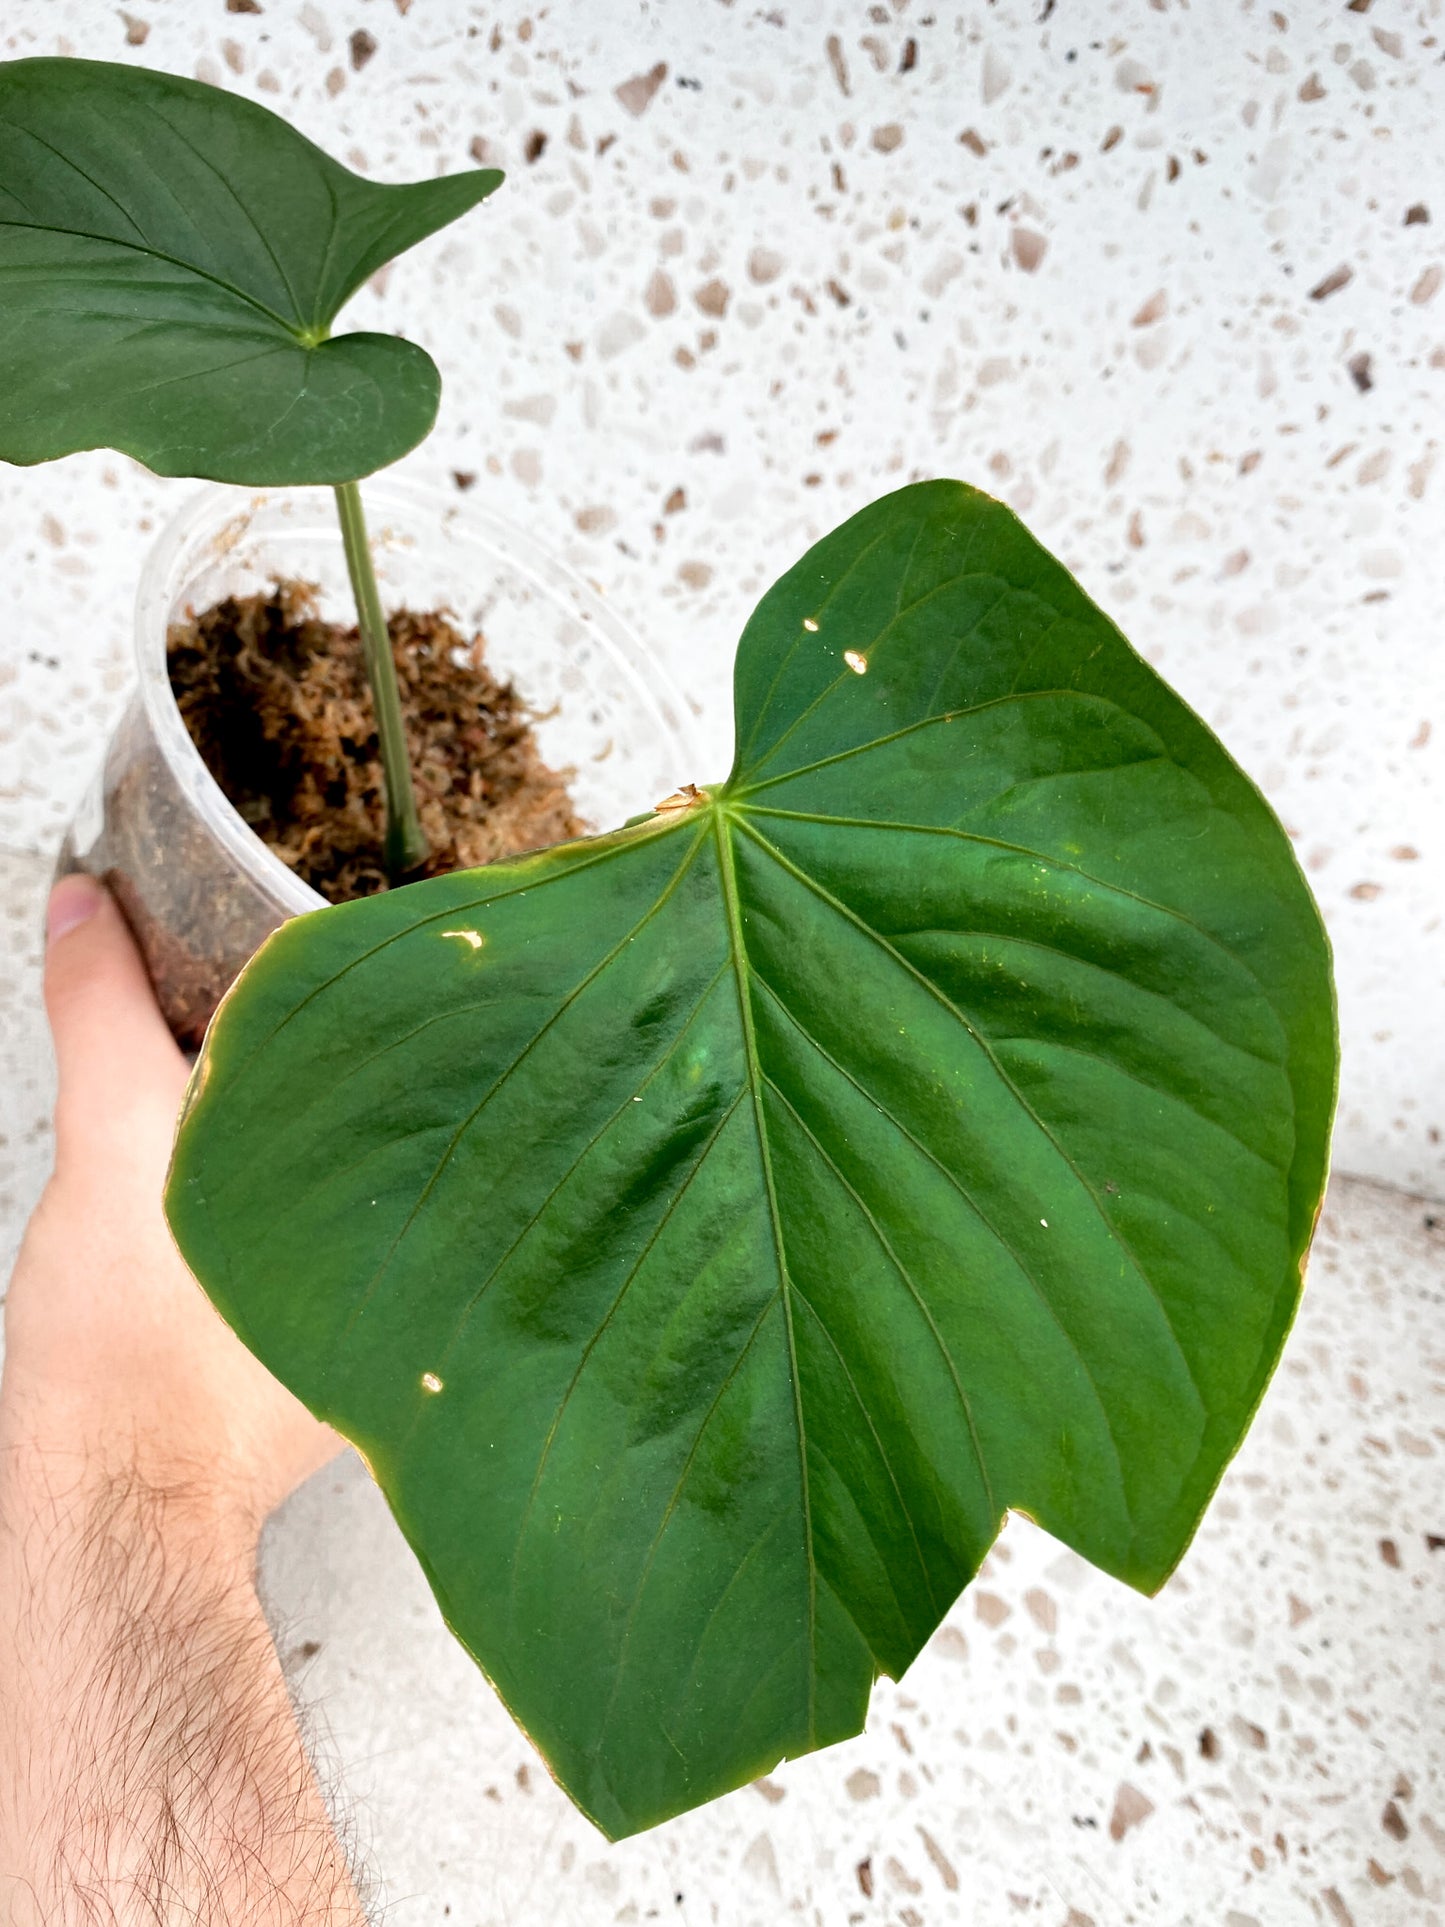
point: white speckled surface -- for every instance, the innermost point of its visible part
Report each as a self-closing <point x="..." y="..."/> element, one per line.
<point x="707" y="321"/>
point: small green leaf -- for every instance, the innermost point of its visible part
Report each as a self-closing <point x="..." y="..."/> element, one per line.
<point x="708" y="1231"/>
<point x="171" y="260"/>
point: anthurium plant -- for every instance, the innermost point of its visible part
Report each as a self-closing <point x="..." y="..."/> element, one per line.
<point x="707" y="1232"/>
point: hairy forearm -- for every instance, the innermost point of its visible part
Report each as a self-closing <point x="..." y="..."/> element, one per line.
<point x="151" y="1769"/>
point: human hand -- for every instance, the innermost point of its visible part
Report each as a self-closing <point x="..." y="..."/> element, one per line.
<point x="117" y="1366"/>
<point x="150" y="1762"/>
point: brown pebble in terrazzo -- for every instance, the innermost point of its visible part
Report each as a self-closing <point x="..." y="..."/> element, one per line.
<point x="1154" y="309"/>
<point x="1028" y="248"/>
<point x="242" y="6"/>
<point x="1338" y="278"/>
<point x="1365" y="892"/>
<point x="1390" y="1553"/>
<point x="1042" y="1610"/>
<point x="636" y="94"/>
<point x="770" y="1791"/>
<point x="1131" y="1809"/>
<point x="1339" y="1912"/>
<point x="864" y="1871"/>
<point x="992" y="1610"/>
<point x="1377" y="1873"/>
<point x="1427" y="287"/>
<point x="1208" y="1743"/>
<point x="997" y="75"/>
<point x="946" y="1870"/>
<point x="764" y="266"/>
<point x="675" y="501"/>
<point x="136" y="31"/>
<point x="1394" y="1822"/>
<point x="464" y="478"/>
<point x="363" y="46"/>
<point x="1311" y="89"/>
<point x="535" y="146"/>
<point x="888" y="137"/>
<point x="1360" y="375"/>
<point x="713" y="297"/>
<point x="1417" y="216"/>
<point x="660" y="296"/>
<point x="899" y="1875"/>
<point x="863" y="1784"/>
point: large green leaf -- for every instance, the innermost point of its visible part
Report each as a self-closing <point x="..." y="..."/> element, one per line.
<point x="171" y="259"/>
<point x="708" y="1231"/>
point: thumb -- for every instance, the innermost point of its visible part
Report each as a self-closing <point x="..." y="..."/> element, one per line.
<point x="113" y="1051"/>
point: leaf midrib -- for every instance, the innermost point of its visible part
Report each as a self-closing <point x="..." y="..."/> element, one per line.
<point x="294" y="329"/>
<point x="722" y="828"/>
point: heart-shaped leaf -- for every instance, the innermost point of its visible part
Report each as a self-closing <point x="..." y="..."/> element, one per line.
<point x="708" y="1231"/>
<point x="171" y="259"/>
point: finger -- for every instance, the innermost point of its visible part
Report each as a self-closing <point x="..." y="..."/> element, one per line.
<point x="114" y="1053"/>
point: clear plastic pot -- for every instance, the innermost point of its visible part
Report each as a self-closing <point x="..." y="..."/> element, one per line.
<point x="200" y="889"/>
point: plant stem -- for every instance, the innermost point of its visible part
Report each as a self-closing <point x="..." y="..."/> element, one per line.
<point x="406" y="844"/>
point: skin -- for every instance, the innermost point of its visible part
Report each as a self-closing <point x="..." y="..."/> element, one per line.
<point x="151" y="1768"/>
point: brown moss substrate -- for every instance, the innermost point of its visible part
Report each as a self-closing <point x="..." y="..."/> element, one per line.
<point x="276" y="700"/>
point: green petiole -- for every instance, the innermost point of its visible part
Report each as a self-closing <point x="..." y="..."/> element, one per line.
<point x="406" y="845"/>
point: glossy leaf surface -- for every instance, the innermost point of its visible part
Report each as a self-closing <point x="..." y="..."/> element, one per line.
<point x="172" y="257"/>
<point x="709" y="1230"/>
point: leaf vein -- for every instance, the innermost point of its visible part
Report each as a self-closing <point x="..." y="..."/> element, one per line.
<point x="947" y="1004"/>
